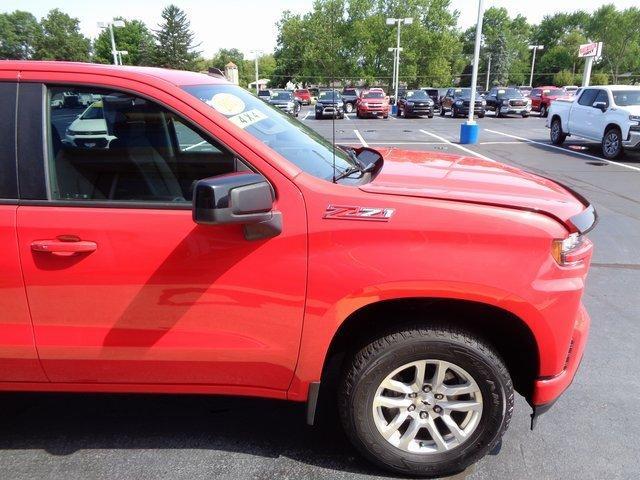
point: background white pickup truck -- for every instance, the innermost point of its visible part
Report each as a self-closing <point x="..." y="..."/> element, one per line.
<point x="606" y="114"/>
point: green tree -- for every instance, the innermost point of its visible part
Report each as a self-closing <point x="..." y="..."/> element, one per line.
<point x="175" y="46"/>
<point x="599" y="78"/>
<point x="564" y="77"/>
<point x="134" y="37"/>
<point x="619" y="30"/>
<point x="61" y="39"/>
<point x="19" y="32"/>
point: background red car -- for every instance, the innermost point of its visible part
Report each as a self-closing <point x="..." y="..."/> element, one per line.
<point x="372" y="103"/>
<point x="303" y="96"/>
<point x="541" y="98"/>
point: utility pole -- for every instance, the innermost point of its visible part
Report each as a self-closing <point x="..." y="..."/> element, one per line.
<point x="535" y="48"/>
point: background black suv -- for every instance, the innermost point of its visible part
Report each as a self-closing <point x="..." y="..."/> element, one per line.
<point x="413" y="103"/>
<point x="457" y="101"/>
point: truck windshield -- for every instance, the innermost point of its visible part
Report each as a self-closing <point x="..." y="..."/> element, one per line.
<point x="279" y="131"/>
<point x="625" y="98"/>
<point x="281" y="96"/>
<point x="373" y="95"/>
<point x="417" y="95"/>
<point x="328" y="96"/>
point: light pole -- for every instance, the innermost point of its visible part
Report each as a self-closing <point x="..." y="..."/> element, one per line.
<point x="535" y="48"/>
<point x="110" y="25"/>
<point x="257" y="57"/>
<point x="469" y="130"/>
<point x="398" y="21"/>
<point x="395" y="66"/>
<point x="488" y="72"/>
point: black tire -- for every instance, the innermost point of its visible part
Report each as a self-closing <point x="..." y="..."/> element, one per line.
<point x="543" y="110"/>
<point x="348" y="107"/>
<point x="442" y="112"/>
<point x="318" y="116"/>
<point x="398" y="114"/>
<point x="430" y="116"/>
<point x="371" y="364"/>
<point x="612" y="143"/>
<point x="525" y="115"/>
<point x="481" y="115"/>
<point x="358" y="114"/>
<point x="454" y="112"/>
<point x="556" y="134"/>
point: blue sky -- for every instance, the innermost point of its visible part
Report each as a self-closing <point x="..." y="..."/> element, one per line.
<point x="250" y="24"/>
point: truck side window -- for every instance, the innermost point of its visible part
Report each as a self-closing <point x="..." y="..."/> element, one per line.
<point x="112" y="146"/>
<point x="588" y="97"/>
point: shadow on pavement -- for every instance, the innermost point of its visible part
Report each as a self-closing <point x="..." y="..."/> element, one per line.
<point x="62" y="424"/>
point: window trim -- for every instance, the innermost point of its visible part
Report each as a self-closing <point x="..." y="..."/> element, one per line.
<point x="147" y="205"/>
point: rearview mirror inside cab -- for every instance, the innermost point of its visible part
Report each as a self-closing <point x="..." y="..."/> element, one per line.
<point x="244" y="198"/>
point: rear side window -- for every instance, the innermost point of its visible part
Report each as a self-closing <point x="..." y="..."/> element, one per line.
<point x="107" y="145"/>
<point x="8" y="180"/>
<point x="588" y="97"/>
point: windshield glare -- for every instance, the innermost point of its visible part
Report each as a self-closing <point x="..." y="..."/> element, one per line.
<point x="281" y="95"/>
<point x="94" y="112"/>
<point x="290" y="138"/>
<point x="556" y="92"/>
<point x="417" y="94"/>
<point x="373" y="95"/>
<point x="510" y="92"/>
<point x="625" y="98"/>
<point x="329" y="96"/>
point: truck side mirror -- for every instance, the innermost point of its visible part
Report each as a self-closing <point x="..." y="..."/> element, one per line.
<point x="245" y="198"/>
<point x="600" y="105"/>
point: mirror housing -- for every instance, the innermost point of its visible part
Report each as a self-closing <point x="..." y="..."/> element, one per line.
<point x="600" y="105"/>
<point x="244" y="198"/>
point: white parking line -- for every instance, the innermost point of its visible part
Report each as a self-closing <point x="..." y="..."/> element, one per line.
<point x="464" y="149"/>
<point x="593" y="157"/>
<point x="364" y="144"/>
<point x="305" y="117"/>
<point x="407" y="143"/>
<point x="346" y="115"/>
<point x="499" y="143"/>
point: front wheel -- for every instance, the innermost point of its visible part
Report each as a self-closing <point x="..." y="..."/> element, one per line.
<point x="612" y="143"/>
<point x="442" y="112"/>
<point x="348" y="107"/>
<point x="426" y="401"/>
<point x="543" y="110"/>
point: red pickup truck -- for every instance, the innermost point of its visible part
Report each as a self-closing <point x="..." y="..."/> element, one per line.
<point x="216" y="246"/>
<point x="303" y="96"/>
<point x="541" y="98"/>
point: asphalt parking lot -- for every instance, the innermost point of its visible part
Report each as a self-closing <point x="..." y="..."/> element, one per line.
<point x="591" y="433"/>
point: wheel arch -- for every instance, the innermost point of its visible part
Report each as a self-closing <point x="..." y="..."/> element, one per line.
<point x="509" y="334"/>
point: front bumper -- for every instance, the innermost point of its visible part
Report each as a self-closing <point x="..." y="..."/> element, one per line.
<point x="374" y="112"/>
<point x="419" y="110"/>
<point x="329" y="110"/>
<point x="511" y="109"/>
<point x="633" y="141"/>
<point x="465" y="109"/>
<point x="547" y="390"/>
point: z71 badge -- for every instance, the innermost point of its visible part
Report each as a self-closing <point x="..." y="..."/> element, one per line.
<point x="341" y="212"/>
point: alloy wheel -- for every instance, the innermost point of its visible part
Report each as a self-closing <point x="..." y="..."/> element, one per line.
<point x="427" y="406"/>
<point x="612" y="143"/>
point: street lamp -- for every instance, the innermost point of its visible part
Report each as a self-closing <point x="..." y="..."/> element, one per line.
<point x="257" y="57"/>
<point x="110" y="25"/>
<point x="398" y="21"/>
<point x="469" y="130"/>
<point x="395" y="66"/>
<point x="535" y="48"/>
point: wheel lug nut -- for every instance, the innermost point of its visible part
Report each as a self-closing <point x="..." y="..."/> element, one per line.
<point x="439" y="396"/>
<point x="426" y="388"/>
<point x="437" y="409"/>
<point x="413" y="395"/>
<point x="423" y="414"/>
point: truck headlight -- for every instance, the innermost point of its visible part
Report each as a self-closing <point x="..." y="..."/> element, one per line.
<point x="484" y="102"/>
<point x="409" y="104"/>
<point x="458" y="102"/>
<point x="634" y="118"/>
<point x="505" y="103"/>
<point x="571" y="251"/>
<point x="290" y="105"/>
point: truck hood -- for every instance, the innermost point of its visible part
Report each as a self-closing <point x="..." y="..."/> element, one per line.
<point x="472" y="180"/>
